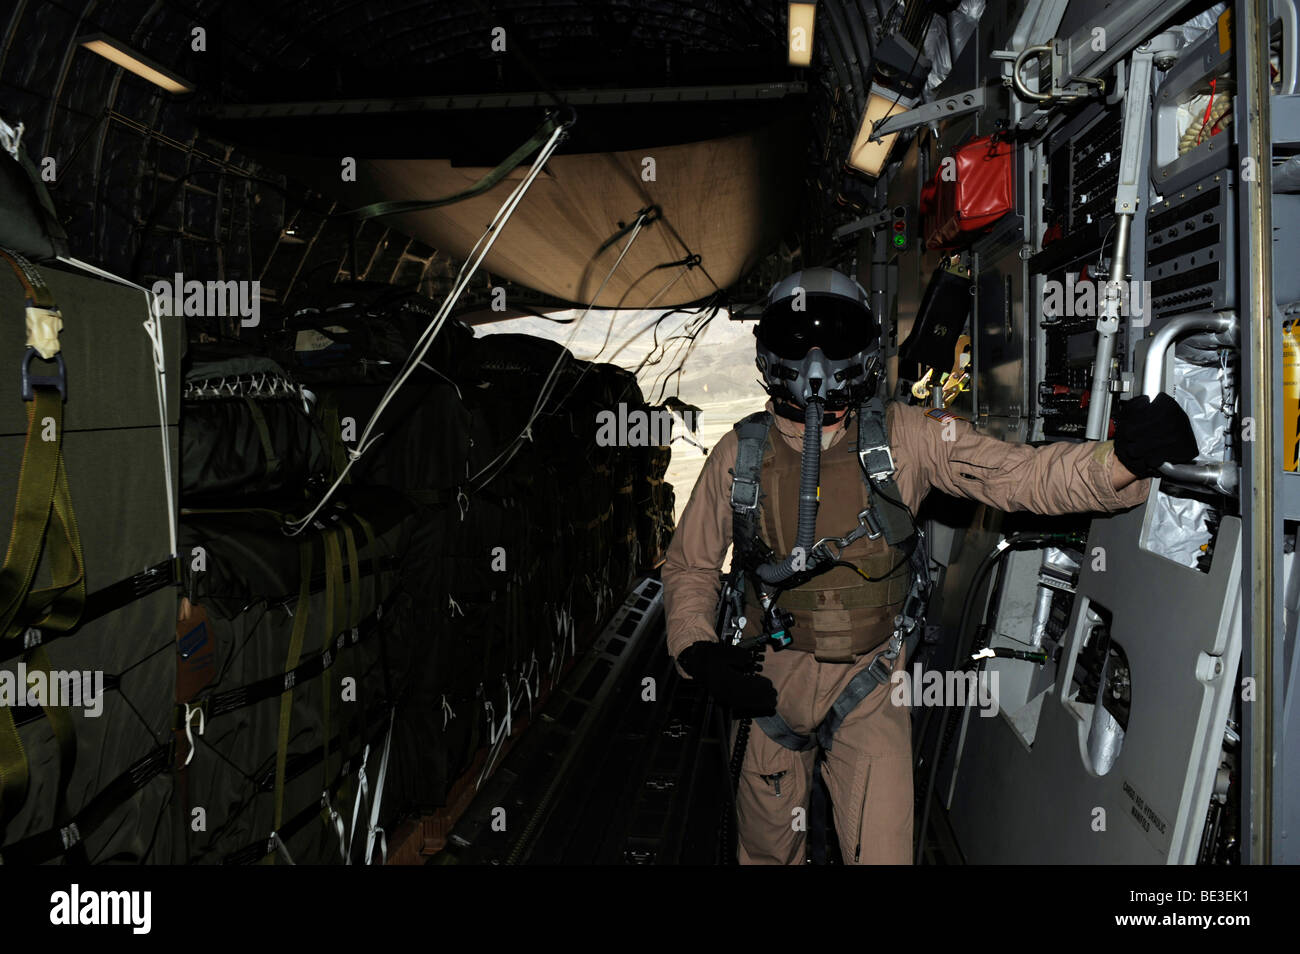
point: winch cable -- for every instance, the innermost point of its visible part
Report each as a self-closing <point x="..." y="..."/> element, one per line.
<point x="425" y="341"/>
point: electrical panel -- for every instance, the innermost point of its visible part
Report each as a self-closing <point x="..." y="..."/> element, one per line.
<point x="1078" y="212"/>
<point x="1189" y="254"/>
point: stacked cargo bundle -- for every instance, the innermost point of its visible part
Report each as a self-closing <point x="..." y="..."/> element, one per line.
<point x="522" y="544"/>
<point x="282" y="682"/>
<point x="280" y="688"/>
<point x="288" y="650"/>
<point x="192" y="672"/>
<point x="89" y="615"/>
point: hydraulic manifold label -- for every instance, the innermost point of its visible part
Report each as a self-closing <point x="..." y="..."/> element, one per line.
<point x="1147" y="818"/>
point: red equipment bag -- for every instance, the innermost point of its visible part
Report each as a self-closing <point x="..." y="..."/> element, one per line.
<point x="981" y="192"/>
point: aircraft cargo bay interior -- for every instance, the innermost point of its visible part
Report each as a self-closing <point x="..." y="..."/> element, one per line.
<point x="701" y="433"/>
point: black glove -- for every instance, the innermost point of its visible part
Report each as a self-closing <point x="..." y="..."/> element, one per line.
<point x="1150" y="433"/>
<point x="727" y="672"/>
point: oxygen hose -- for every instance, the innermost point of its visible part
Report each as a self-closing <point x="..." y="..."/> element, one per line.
<point x="809" y="478"/>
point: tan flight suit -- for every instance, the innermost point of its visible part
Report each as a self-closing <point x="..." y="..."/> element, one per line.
<point x="868" y="769"/>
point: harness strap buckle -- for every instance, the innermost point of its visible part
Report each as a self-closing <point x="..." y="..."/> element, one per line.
<point x="877" y="461"/>
<point x="882" y="667"/>
<point x="746" y="500"/>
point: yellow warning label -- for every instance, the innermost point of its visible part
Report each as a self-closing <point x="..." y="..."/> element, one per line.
<point x="1225" y="30"/>
<point x="1290" y="394"/>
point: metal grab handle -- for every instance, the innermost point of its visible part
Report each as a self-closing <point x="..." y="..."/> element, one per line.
<point x="1215" y="328"/>
<point x="1017" y="81"/>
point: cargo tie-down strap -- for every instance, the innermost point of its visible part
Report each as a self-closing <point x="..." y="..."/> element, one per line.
<point x="47" y="845"/>
<point x="99" y="604"/>
<point x="42" y="498"/>
<point x="342" y="604"/>
<point x="265" y="849"/>
<point x="335" y="597"/>
<point x="241" y="697"/>
<point x="287" y="681"/>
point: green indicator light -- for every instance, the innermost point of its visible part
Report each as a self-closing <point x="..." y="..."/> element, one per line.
<point x="900" y="240"/>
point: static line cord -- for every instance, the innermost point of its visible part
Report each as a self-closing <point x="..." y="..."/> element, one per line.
<point x="153" y="327"/>
<point x="425" y="342"/>
<point x="466" y="269"/>
<point x="648" y="306"/>
<point x="548" y="385"/>
<point x="981" y="575"/>
<point x="636" y="334"/>
<point x="485" y="242"/>
<point x="516" y="446"/>
<point x="686" y="349"/>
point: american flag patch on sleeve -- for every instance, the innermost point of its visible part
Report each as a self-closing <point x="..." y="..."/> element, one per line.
<point x="942" y="415"/>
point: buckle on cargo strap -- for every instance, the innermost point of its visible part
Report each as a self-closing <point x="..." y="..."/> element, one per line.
<point x="30" y="381"/>
<point x="70" y="835"/>
<point x="877" y="461"/>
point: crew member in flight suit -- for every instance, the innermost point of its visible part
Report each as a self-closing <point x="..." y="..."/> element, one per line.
<point x="841" y="620"/>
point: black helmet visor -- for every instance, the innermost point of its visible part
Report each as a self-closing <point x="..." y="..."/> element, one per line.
<point x="840" y="327"/>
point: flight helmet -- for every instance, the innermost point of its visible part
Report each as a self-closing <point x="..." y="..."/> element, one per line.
<point x="818" y="340"/>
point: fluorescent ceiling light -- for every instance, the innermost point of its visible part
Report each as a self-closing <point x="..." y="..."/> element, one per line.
<point x="867" y="156"/>
<point x="802" y="18"/>
<point x="129" y="59"/>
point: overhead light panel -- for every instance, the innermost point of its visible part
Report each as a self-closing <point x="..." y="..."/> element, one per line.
<point x="867" y="156"/>
<point x="802" y="18"/>
<point x="127" y="58"/>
